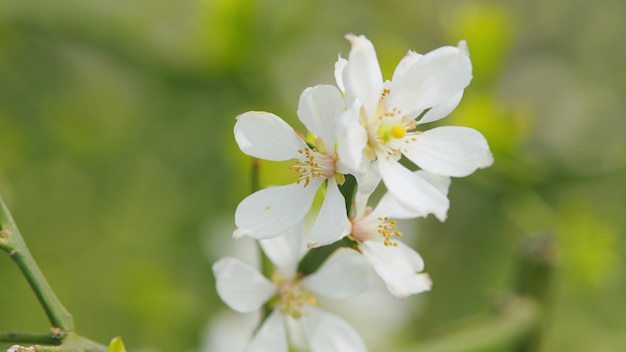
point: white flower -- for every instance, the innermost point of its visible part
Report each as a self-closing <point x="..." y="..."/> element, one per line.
<point x="382" y="125"/>
<point x="375" y="231"/>
<point x="273" y="210"/>
<point x="244" y="289"/>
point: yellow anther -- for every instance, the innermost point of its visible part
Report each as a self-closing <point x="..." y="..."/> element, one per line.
<point x="387" y="228"/>
<point x="398" y="131"/>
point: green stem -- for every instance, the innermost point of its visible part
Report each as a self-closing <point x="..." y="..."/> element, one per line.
<point x="12" y="242"/>
<point x="267" y="267"/>
<point x="71" y="343"/>
<point x="26" y="337"/>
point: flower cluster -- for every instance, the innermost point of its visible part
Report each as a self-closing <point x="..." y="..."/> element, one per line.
<point x="360" y="128"/>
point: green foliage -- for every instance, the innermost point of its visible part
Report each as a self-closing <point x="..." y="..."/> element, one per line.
<point x="117" y="345"/>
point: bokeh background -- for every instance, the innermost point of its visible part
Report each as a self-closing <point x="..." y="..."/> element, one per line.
<point x="118" y="162"/>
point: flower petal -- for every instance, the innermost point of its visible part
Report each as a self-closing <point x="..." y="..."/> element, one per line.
<point x="272" y="336"/>
<point x="412" y="191"/>
<point x="442" y="110"/>
<point x="345" y="274"/>
<point x="319" y="109"/>
<point x="266" y="136"/>
<point x="332" y="222"/>
<point x="450" y="150"/>
<point x="389" y="206"/>
<point x="241" y="286"/>
<point x="405" y="64"/>
<point x="434" y="78"/>
<point x="360" y="203"/>
<point x="270" y="212"/>
<point x="362" y="77"/>
<point x="285" y="250"/>
<point x="329" y="333"/>
<point x="369" y="179"/>
<point x="340" y="65"/>
<point x="399" y="266"/>
<point x="351" y="142"/>
<point x="442" y="183"/>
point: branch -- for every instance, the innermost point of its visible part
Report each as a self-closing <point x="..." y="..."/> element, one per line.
<point x="26" y="337"/>
<point x="71" y="343"/>
<point x="12" y="242"/>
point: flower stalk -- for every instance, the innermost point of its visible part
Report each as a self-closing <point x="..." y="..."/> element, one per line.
<point x="267" y="268"/>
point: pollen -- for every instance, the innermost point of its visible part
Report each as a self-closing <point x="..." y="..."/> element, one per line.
<point x="313" y="165"/>
<point x="292" y="297"/>
<point x="398" y="131"/>
<point x="387" y="228"/>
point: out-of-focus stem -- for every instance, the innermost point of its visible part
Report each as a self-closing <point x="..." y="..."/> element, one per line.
<point x="12" y="242"/>
<point x="267" y="267"/>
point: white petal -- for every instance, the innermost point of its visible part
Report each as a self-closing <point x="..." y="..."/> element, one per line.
<point x="266" y="136"/>
<point x="389" y="206"/>
<point x="442" y="110"/>
<point x="399" y="266"/>
<point x="369" y="179"/>
<point x="345" y="274"/>
<point x="329" y="333"/>
<point x="272" y="336"/>
<point x="332" y="222"/>
<point x="340" y="65"/>
<point x="285" y="250"/>
<point x="450" y="150"/>
<point x="442" y="183"/>
<point x="405" y="64"/>
<point x="436" y="77"/>
<point x="362" y="76"/>
<point x="412" y="191"/>
<point x="241" y="286"/>
<point x="270" y="212"/>
<point x="360" y="203"/>
<point x="351" y="142"/>
<point x="319" y="109"/>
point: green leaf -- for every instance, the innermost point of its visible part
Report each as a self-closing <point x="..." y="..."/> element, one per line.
<point x="117" y="345"/>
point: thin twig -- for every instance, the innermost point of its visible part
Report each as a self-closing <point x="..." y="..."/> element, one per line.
<point x="27" y="337"/>
<point x="12" y="242"/>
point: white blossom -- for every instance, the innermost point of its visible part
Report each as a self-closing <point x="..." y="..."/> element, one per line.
<point x="382" y="122"/>
<point x="292" y="297"/>
<point x="376" y="234"/>
<point x="273" y="210"/>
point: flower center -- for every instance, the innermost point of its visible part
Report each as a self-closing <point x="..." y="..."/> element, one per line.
<point x="386" y="132"/>
<point x="313" y="164"/>
<point x="292" y="297"/>
<point x="387" y="228"/>
<point x="387" y="129"/>
<point x="398" y="131"/>
<point x="369" y="228"/>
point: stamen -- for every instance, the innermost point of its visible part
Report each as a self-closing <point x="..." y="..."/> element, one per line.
<point x="292" y="296"/>
<point x="314" y="164"/>
<point x="387" y="228"/>
<point x="385" y="93"/>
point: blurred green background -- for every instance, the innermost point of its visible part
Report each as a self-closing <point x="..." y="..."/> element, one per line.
<point x="118" y="162"/>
